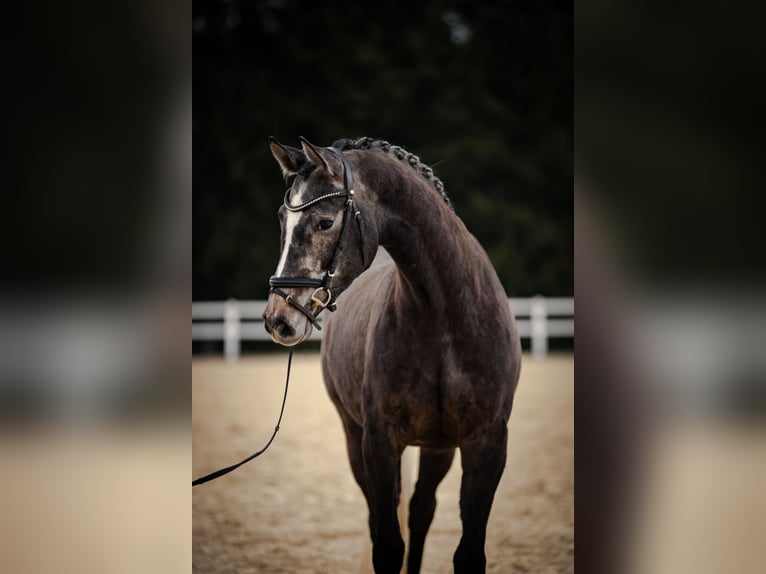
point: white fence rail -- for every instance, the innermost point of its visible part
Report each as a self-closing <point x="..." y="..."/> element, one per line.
<point x="233" y="321"/>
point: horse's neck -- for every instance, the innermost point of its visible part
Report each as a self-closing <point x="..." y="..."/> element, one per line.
<point x="435" y="255"/>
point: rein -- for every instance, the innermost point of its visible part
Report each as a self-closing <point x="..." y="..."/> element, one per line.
<point x="228" y="469"/>
<point x="318" y="304"/>
<point x="321" y="302"/>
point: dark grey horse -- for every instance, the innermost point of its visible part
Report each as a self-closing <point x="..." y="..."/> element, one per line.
<point x="423" y="349"/>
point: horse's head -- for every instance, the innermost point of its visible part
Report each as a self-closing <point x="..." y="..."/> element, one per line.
<point x="324" y="243"/>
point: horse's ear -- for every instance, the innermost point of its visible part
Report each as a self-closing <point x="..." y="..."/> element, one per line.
<point x="323" y="158"/>
<point x="290" y="159"/>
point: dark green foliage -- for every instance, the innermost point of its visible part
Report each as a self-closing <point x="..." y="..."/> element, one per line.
<point x="480" y="91"/>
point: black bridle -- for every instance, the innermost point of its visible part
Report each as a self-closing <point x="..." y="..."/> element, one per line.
<point x="320" y="285"/>
<point x="323" y="296"/>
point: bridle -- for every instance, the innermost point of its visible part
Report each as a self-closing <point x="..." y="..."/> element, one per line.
<point x="324" y="295"/>
<point x="320" y="286"/>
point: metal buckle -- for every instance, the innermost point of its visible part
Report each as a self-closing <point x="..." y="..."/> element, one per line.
<point x="317" y="301"/>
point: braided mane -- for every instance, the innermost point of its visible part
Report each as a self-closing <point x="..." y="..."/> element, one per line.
<point x="367" y="143"/>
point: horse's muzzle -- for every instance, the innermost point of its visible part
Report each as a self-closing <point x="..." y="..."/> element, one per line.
<point x="285" y="324"/>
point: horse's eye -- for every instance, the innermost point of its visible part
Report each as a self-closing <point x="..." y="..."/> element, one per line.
<point x="325" y="224"/>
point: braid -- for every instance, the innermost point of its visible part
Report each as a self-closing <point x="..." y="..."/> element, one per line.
<point x="367" y="143"/>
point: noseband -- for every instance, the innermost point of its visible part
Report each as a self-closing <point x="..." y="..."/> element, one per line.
<point x="323" y="296"/>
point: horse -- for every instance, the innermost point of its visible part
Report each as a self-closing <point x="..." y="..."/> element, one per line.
<point x="423" y="349"/>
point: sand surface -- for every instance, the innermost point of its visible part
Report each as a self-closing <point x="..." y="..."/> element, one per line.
<point x="297" y="508"/>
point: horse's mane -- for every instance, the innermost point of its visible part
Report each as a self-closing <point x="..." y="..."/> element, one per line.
<point x="367" y="143"/>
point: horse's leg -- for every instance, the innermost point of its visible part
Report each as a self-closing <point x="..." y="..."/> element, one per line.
<point x="381" y="463"/>
<point x="354" y="449"/>
<point x="353" y="434"/>
<point x="408" y="469"/>
<point x="483" y="461"/>
<point x="434" y="465"/>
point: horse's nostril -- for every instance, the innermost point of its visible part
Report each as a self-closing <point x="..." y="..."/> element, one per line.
<point x="283" y="329"/>
<point x="278" y="326"/>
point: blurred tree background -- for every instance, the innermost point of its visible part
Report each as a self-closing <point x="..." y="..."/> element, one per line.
<point x="481" y="91"/>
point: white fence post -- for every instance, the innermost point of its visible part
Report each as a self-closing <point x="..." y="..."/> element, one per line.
<point x="539" y="326"/>
<point x="231" y="330"/>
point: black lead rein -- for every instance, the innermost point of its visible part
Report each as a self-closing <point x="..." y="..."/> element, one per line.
<point x="319" y="285"/>
<point x="228" y="469"/>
